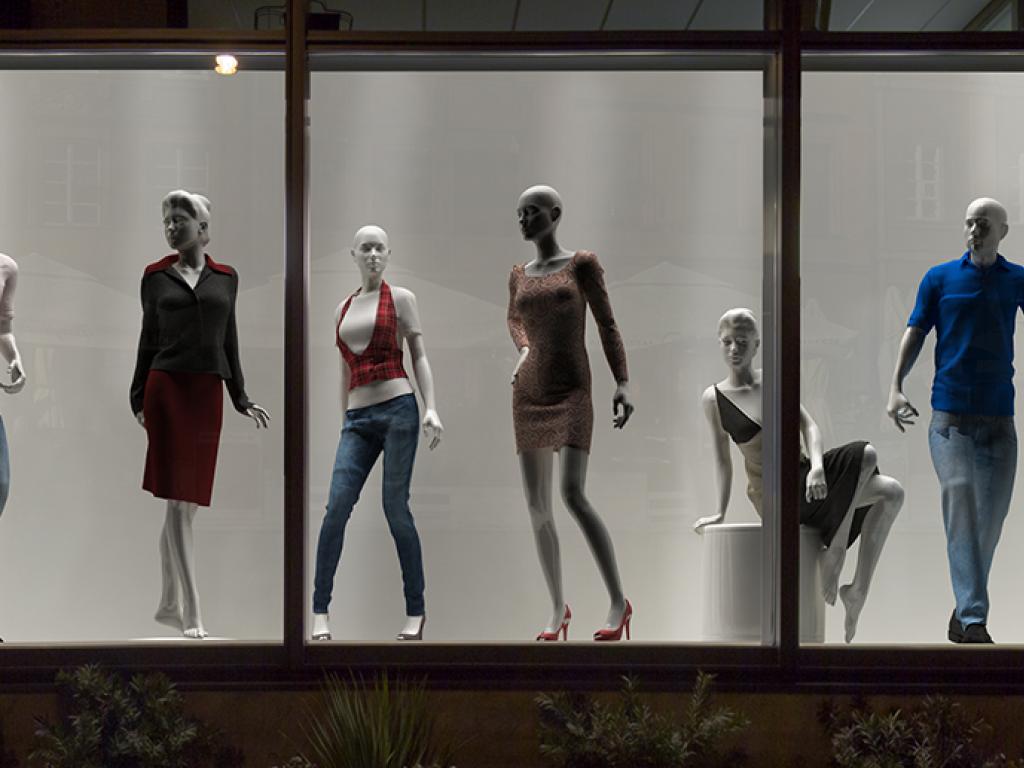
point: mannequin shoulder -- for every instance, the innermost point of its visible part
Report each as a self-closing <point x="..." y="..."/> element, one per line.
<point x="159" y="266"/>
<point x="8" y="266"/>
<point x="709" y="404"/>
<point x="223" y="269"/>
<point x="402" y="295"/>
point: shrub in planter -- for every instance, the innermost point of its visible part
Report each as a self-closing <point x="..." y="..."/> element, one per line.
<point x="382" y="724"/>
<point x="581" y="731"/>
<point x="935" y="733"/>
<point x="105" y="722"/>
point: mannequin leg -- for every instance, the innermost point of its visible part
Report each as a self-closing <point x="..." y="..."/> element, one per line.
<point x="178" y="525"/>
<point x="537" y="468"/>
<point x="169" y="610"/>
<point x="5" y="468"/>
<point x="573" y="473"/>
<point x="399" y="455"/>
<point x="358" y="449"/>
<point x="885" y="495"/>
<point x="835" y="555"/>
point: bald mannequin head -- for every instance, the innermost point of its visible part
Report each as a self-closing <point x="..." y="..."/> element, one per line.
<point x="371" y="250"/>
<point x="539" y="211"/>
<point x="984" y="227"/>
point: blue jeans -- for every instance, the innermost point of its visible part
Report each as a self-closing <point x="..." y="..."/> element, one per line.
<point x="975" y="458"/>
<point x="5" y="468"/>
<point x="391" y="427"/>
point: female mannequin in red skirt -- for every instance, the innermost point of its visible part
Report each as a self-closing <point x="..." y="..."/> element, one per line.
<point x="188" y="346"/>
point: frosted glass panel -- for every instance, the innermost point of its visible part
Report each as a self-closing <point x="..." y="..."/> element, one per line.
<point x="87" y="158"/>
<point x="890" y="163"/>
<point x="660" y="174"/>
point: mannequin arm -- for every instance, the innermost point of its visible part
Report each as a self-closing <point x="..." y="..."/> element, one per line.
<point x="346" y="374"/>
<point x="723" y="459"/>
<point x="432" y="427"/>
<point x="817" y="488"/>
<point x="9" y="350"/>
<point x="899" y="408"/>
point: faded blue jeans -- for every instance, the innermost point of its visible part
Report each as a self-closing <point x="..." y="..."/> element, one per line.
<point x="975" y="458"/>
<point x="391" y="428"/>
<point x="5" y="467"/>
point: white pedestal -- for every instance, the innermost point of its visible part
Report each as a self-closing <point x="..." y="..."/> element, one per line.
<point x="731" y="578"/>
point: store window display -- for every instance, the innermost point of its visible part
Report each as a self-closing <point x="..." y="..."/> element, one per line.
<point x="971" y="303"/>
<point x="551" y="403"/>
<point x="843" y="494"/>
<point x="381" y="418"/>
<point x="188" y="346"/>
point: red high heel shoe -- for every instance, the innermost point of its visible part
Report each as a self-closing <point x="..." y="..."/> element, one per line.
<point x="608" y="635"/>
<point x="548" y="637"/>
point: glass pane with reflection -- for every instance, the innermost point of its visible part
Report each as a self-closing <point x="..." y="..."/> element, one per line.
<point x="88" y="158"/>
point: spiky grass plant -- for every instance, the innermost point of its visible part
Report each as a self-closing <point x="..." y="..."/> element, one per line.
<point x="380" y="724"/>
<point x="936" y="733"/>
<point x="580" y="731"/>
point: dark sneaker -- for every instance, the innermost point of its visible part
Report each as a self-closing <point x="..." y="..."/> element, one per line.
<point x="972" y="633"/>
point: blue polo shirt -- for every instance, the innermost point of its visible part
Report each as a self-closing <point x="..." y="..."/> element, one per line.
<point x="973" y="311"/>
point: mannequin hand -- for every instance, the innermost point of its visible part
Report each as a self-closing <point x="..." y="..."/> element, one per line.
<point x="817" y="488"/>
<point x="17" y="378"/>
<point x="900" y="410"/>
<point x="523" y="354"/>
<point x="259" y="415"/>
<point x="140" y="417"/>
<point x="621" y="402"/>
<point x="432" y="428"/>
<point x="709" y="520"/>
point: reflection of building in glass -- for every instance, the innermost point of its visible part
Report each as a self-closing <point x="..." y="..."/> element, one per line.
<point x="70" y="185"/>
<point x="927" y="199"/>
<point x="176" y="166"/>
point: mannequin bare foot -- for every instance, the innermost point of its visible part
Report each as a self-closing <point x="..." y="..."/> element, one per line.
<point x="169" y="615"/>
<point x="195" y="633"/>
<point x="413" y="629"/>
<point x="831" y="566"/>
<point x="853" y="602"/>
<point x="321" y="626"/>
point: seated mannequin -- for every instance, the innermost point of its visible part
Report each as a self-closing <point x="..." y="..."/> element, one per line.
<point x="844" y="494"/>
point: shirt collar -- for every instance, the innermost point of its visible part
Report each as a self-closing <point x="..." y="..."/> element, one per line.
<point x="965" y="260"/>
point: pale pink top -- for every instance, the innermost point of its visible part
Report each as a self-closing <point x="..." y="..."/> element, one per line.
<point x="8" y="282"/>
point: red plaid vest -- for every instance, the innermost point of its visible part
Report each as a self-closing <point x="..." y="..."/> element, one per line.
<point x="382" y="358"/>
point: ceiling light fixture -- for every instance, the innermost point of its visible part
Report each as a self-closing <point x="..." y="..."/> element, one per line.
<point x="226" y="64"/>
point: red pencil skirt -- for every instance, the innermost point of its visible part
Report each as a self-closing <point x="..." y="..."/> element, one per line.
<point x="183" y="413"/>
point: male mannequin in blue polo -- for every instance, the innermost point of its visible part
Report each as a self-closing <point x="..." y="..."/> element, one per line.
<point x="972" y="303"/>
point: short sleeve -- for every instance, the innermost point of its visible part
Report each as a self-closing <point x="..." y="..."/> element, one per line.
<point x="925" y="312"/>
<point x="9" y="276"/>
<point x="406" y="312"/>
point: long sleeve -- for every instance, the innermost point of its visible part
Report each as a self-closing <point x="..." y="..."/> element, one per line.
<point x="149" y="345"/>
<point x="236" y="384"/>
<point x="592" y="282"/>
<point x="515" y="323"/>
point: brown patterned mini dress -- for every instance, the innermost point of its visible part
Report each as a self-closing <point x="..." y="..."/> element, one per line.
<point x="551" y="404"/>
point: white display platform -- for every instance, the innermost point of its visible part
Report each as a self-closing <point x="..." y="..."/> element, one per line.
<point x="731" y="576"/>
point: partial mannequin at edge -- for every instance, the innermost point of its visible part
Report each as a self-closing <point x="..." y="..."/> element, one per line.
<point x="844" y="494"/>
<point x="15" y="369"/>
<point x="551" y="405"/>
<point x="380" y="416"/>
<point x="972" y="303"/>
<point x="187" y="347"/>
